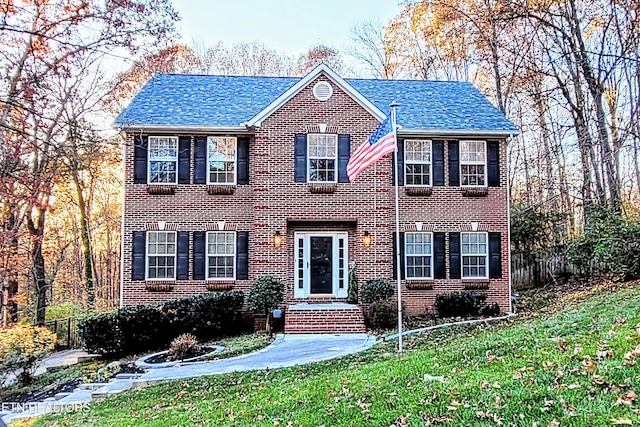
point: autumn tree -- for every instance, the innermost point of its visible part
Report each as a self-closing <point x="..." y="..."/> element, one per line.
<point x="46" y="47"/>
<point x="317" y="55"/>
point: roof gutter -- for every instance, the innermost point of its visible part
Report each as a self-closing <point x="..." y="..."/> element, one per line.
<point x="458" y="133"/>
<point x="182" y="129"/>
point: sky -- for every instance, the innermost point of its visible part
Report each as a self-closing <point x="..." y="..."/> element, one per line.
<point x="288" y="26"/>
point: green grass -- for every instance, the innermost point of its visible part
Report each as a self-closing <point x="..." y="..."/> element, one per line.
<point x="573" y="366"/>
<point x="243" y="344"/>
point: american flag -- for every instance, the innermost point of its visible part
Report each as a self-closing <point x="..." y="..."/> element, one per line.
<point x="380" y="143"/>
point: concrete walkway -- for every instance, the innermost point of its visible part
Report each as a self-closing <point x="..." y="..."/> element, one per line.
<point x="285" y="351"/>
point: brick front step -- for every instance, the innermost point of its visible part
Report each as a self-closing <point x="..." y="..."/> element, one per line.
<point x="337" y="318"/>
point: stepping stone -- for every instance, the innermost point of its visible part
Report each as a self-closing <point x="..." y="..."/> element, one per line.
<point x="59" y="396"/>
<point x="91" y="386"/>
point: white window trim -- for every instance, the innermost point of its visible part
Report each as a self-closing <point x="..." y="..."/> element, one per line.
<point x="235" y="162"/>
<point x="147" y="256"/>
<point x="406" y="264"/>
<point x="309" y="158"/>
<point x="484" y="164"/>
<point x="174" y="138"/>
<point x="486" y="256"/>
<point x="418" y="163"/>
<point x="206" y="256"/>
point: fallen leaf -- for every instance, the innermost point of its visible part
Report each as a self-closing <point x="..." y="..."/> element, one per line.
<point x="554" y="423"/>
<point x="627" y="399"/>
<point x="621" y="421"/>
<point x="604" y="354"/>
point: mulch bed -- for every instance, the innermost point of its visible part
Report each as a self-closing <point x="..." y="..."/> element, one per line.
<point x="41" y="394"/>
<point x="164" y="357"/>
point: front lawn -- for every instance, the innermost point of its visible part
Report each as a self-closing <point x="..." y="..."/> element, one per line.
<point x="578" y="366"/>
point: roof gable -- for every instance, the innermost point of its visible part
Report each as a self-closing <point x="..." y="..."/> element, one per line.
<point x="304" y="82"/>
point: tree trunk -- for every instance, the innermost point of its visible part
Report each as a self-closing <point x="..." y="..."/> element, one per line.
<point x="38" y="271"/>
<point x="10" y="283"/>
<point x="87" y="247"/>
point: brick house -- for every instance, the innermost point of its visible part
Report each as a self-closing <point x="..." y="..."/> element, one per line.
<point x="231" y="178"/>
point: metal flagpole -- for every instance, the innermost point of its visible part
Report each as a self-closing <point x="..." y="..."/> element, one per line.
<point x="393" y="106"/>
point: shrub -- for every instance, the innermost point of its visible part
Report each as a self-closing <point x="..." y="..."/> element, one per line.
<point x="266" y="294"/>
<point x="490" y="310"/>
<point x="610" y="243"/>
<point x="183" y="347"/>
<point x="22" y="347"/>
<point x="141" y="328"/>
<point x="213" y="317"/>
<point x="382" y="315"/>
<point x="352" y="296"/>
<point x="459" y="304"/>
<point x="101" y="334"/>
<point x="376" y="290"/>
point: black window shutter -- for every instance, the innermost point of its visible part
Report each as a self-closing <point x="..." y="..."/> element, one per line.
<point x="182" y="270"/>
<point x="138" y="259"/>
<point x="395" y="256"/>
<point x="184" y="159"/>
<point x="344" y="149"/>
<point x="242" y="255"/>
<point x="140" y="153"/>
<point x="300" y="154"/>
<point x="495" y="256"/>
<point x="243" y="160"/>
<point x="400" y="164"/>
<point x="438" y="162"/>
<point x="493" y="164"/>
<point x="439" y="262"/>
<point x="200" y="160"/>
<point x="454" y="164"/>
<point x="199" y="243"/>
<point x="454" y="256"/>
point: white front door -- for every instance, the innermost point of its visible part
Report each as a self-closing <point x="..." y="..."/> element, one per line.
<point x="321" y="267"/>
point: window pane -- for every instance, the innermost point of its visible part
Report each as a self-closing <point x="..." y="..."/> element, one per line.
<point x="222" y="159"/>
<point x="322" y="153"/>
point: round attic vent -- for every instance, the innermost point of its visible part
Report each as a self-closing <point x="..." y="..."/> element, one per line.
<point x="322" y="91"/>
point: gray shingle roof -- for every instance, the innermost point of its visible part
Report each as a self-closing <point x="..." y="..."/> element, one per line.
<point x="217" y="101"/>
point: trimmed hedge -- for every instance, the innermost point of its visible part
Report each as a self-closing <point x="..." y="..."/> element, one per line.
<point x="141" y="328"/>
<point x="376" y="290"/>
<point x="460" y="304"/>
<point x="382" y="315"/>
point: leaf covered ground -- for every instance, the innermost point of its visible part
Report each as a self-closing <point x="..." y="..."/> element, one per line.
<point x="575" y="365"/>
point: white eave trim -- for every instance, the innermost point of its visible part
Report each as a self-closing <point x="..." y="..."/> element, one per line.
<point x="303" y="82"/>
<point x="182" y="129"/>
<point x="458" y="133"/>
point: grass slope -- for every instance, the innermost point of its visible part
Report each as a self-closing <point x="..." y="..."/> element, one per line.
<point x="577" y="366"/>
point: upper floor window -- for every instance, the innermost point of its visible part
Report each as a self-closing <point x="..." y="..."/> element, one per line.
<point x="221" y="255"/>
<point x="161" y="255"/>
<point x="419" y="255"/>
<point x="417" y="159"/>
<point x="322" y="157"/>
<point x="221" y="153"/>
<point x="474" y="255"/>
<point x="473" y="163"/>
<point x="163" y="159"/>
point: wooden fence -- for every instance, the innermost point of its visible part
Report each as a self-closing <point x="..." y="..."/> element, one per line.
<point x="529" y="269"/>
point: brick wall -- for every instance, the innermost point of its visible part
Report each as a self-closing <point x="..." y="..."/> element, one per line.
<point x="274" y="202"/>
